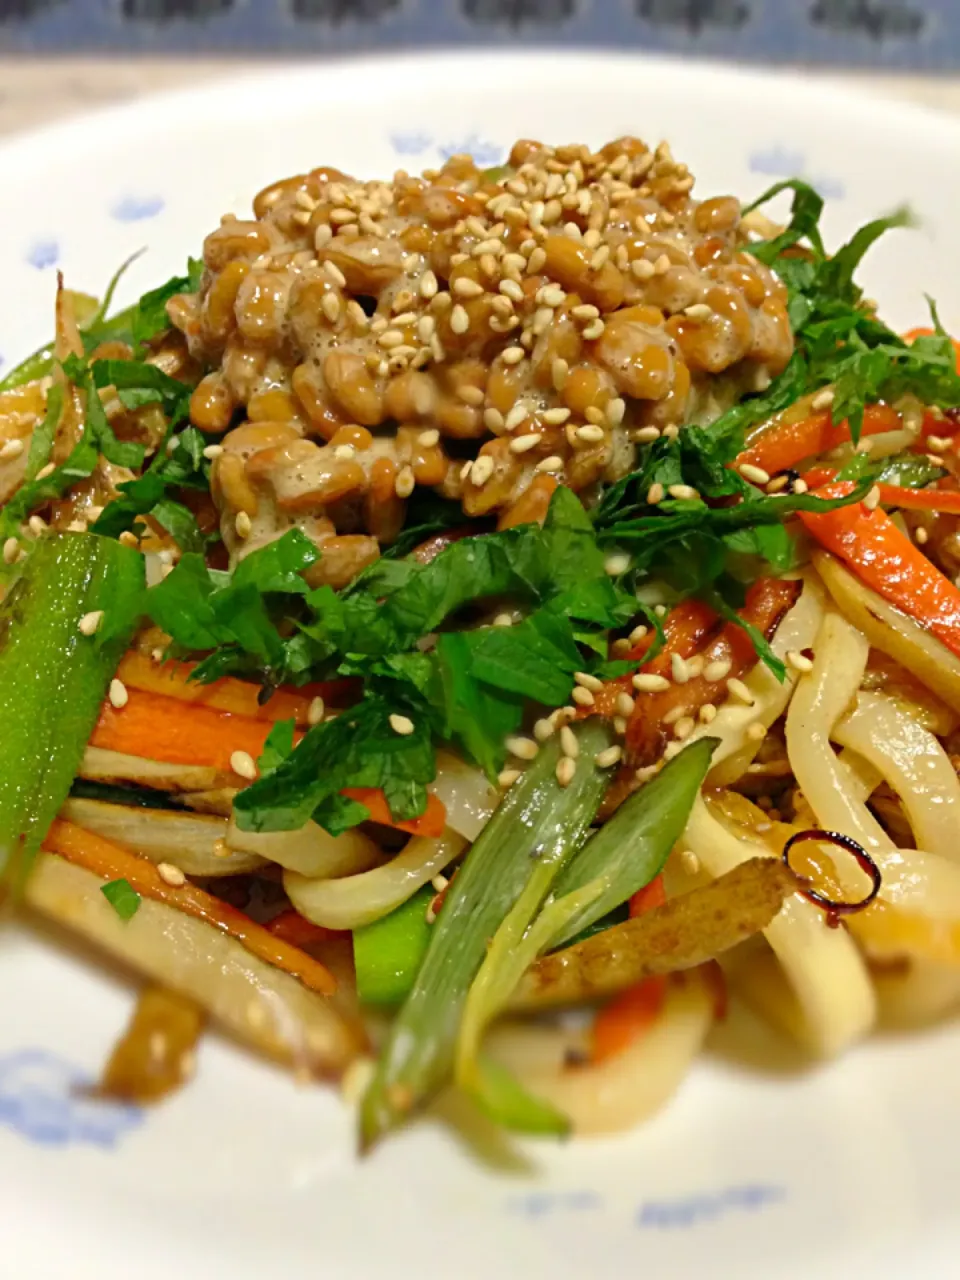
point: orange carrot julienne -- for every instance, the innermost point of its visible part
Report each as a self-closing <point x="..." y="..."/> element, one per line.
<point x="627" y="1017"/>
<point x="785" y="444"/>
<point x="888" y="562"/>
<point x="650" y="896"/>
<point x="239" y="697"/>
<point x="632" y="1012"/>
<point x="156" y="727"/>
<point x="945" y="500"/>
<point x="432" y="822"/>
<point x="290" y="926"/>
<point x="113" y="862"/>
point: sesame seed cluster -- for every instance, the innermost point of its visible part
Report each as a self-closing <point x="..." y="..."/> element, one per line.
<point x="486" y="334"/>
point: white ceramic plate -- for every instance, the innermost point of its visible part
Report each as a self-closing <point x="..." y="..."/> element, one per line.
<point x="750" y="1173"/>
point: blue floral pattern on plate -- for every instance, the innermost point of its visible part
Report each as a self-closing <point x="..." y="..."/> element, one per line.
<point x="43" y="1099"/>
<point x="131" y="208"/>
<point x="43" y="254"/>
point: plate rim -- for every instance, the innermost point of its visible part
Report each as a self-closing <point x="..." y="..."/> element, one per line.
<point x="119" y="118"/>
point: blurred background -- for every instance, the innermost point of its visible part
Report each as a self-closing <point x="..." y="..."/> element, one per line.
<point x="59" y="56"/>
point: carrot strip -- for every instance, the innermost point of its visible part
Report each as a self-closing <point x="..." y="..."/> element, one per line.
<point x="113" y="862"/>
<point x="767" y="601"/>
<point x="895" y="495"/>
<point x="432" y="822"/>
<point x="239" y="697"/>
<point x="684" y="628"/>
<point x="635" y="1010"/>
<point x="155" y="727"/>
<point x="290" y="926"/>
<point x="650" y="896"/>
<point x="785" y="444"/>
<point x="889" y="563"/>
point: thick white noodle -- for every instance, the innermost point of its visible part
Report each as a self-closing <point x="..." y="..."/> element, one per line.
<point x="626" y="1088"/>
<point x="355" y="900"/>
<point x="912" y="879"/>
<point x="309" y="850"/>
<point x="914" y="764"/>
<point x="769" y="696"/>
<point x="823" y="966"/>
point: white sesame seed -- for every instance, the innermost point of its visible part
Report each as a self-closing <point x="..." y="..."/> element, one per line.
<point x="552" y="296"/>
<point x="89" y="624"/>
<point x="641" y="268"/>
<point x="503" y="620"/>
<point x="638" y="633"/>
<point x="513" y="355"/>
<point x="591" y="434"/>
<point x="616" y="564"/>
<point x="344" y="452"/>
<point x="655" y="494"/>
<point x="402" y="725"/>
<point x="171" y="875"/>
<point x="799" y="661"/>
<point x="684" y="492"/>
<point x="522" y="444"/>
<point x="662" y="265"/>
<point x="708" y="713"/>
<point x="937" y="444"/>
<point x="594" y="331"/>
<point x="242" y="763"/>
<point x="48" y="470"/>
<point x="335" y="274"/>
<point x="510" y="289"/>
<point x="616" y="408"/>
<point x="647" y="682"/>
<point x="625" y="705"/>
<point x="585" y="311"/>
<point x="558" y="373"/>
<point x="737" y="689"/>
<point x="921" y="536"/>
<point x="521" y="747"/>
<point x="619" y="725"/>
<point x="11" y="550"/>
<point x="566" y="770"/>
<point x="683" y="728"/>
<point x="756" y="733"/>
<point x="37" y="525"/>
<point x="672" y="749"/>
<point x="608" y="758"/>
<point x="777" y="484"/>
<point x="698" y="311"/>
<point x="464" y="287"/>
<point x="679" y="669"/>
<point x="800" y="486"/>
<point x="660" y="610"/>
<point x="588" y="681"/>
<point x="755" y="474"/>
<point x="871" y="499"/>
<point x="620" y="648"/>
<point x="494" y="421"/>
<point x="315" y="711"/>
<point x="673" y="715"/>
<point x="555" y="417"/>
<point x="595" y="415"/>
<point x="118" y="694"/>
<point x="11" y="449"/>
<point x="717" y="670"/>
<point x="242" y="524"/>
<point x="507" y="777"/>
<point x="569" y="742"/>
<point x="404" y="484"/>
<point x="213" y="451"/>
<point x="459" y="320"/>
<point x="822" y="400"/>
<point x="330" y="306"/>
<point x="553" y="463"/>
<point x="690" y="862"/>
<point x="647" y="772"/>
<point x="519" y="413"/>
<point x="482" y="470"/>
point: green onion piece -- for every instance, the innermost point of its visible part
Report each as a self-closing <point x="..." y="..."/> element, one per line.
<point x="538" y="821"/>
<point x="122" y="897"/>
<point x="388" y="952"/>
<point x="630" y="849"/>
<point x="503" y="1098"/>
<point x="53" y="678"/>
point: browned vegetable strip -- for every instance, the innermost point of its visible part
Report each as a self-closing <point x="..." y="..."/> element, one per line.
<point x="251" y="998"/>
<point x="682" y="933"/>
<point x="155" y="1055"/>
<point x="99" y="765"/>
